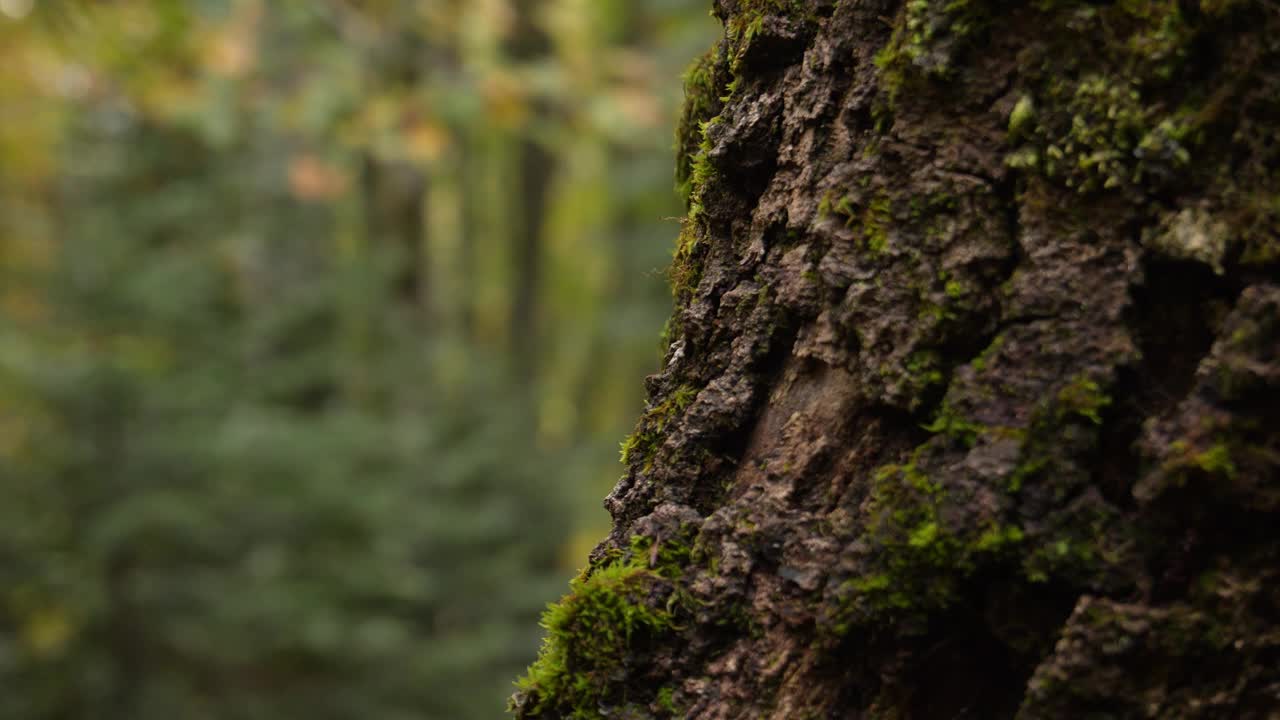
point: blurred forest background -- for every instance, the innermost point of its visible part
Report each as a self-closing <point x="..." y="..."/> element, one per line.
<point x="320" y="324"/>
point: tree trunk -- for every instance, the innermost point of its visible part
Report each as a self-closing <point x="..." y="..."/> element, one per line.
<point x="972" y="402"/>
<point x="529" y="44"/>
<point x="395" y="199"/>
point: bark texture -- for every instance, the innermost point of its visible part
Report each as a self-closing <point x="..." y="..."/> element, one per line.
<point x="971" y="407"/>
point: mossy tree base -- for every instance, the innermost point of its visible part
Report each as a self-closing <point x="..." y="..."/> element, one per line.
<point x="972" y="400"/>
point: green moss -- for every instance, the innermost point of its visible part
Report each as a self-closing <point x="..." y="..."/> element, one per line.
<point x="928" y="38"/>
<point x="594" y="629"/>
<point x="1092" y="121"/>
<point x="872" y="219"/>
<point x="921" y="371"/>
<point x="1104" y="121"/>
<point x="1071" y="556"/>
<point x="670" y="558"/>
<point x="825" y="204"/>
<point x="844" y="206"/>
<point x="701" y="170"/>
<point x="666" y="701"/>
<point x="751" y="14"/>
<point x="748" y="23"/>
<point x="917" y="561"/>
<point x="911" y="541"/>
<point x="924" y="535"/>
<point x="1217" y="460"/>
<point x="999" y="537"/>
<point x="950" y="423"/>
<point x="1026" y="470"/>
<point x="775" y="7"/>
<point x="685" y="271"/>
<point x="704" y="84"/>
<point x="639" y="440"/>
<point x="1023" y="112"/>
<point x="590" y="634"/>
<point x="731" y="89"/>
<point x="980" y="363"/>
<point x="649" y="430"/>
<point x="1103" y="135"/>
<point x="1084" y="397"/>
<point x="875" y="222"/>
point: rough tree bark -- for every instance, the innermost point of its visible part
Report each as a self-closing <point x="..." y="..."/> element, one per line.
<point x="972" y="402"/>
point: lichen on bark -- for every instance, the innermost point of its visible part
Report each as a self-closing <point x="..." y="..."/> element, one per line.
<point x="972" y="401"/>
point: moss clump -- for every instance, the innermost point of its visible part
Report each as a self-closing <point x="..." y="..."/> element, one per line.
<point x="686" y="265"/>
<point x="742" y="28"/>
<point x="951" y="423"/>
<point x="591" y="632"/>
<point x="649" y="431"/>
<point x="701" y="171"/>
<point x="1101" y="134"/>
<point x="930" y="34"/>
<point x="988" y="354"/>
<point x="666" y="701"/>
<point x="705" y="83"/>
<point x="1215" y="460"/>
<point x="870" y="219"/>
<point x="1023" y="112"/>
<point x="1119" y="117"/>
<point x="1125" y="116"/>
<point x="911" y="545"/>
<point x="1084" y="397"/>
<point x="667" y="557"/>
<point x="924" y="370"/>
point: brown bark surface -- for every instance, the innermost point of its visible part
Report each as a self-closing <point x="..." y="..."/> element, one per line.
<point x="971" y="407"/>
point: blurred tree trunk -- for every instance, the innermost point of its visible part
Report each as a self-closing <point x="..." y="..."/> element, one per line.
<point x="529" y="44"/>
<point x="972" y="401"/>
<point x="535" y="179"/>
<point x="395" y="190"/>
<point x="470" y="205"/>
<point x="395" y="199"/>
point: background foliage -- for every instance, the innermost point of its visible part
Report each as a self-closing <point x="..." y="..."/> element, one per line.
<point x="320" y="321"/>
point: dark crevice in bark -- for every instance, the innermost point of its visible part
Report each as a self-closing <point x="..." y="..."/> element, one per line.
<point x="987" y="650"/>
<point x="1118" y="460"/>
<point x="967" y="675"/>
<point x="1173" y="316"/>
<point x="1198" y="536"/>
